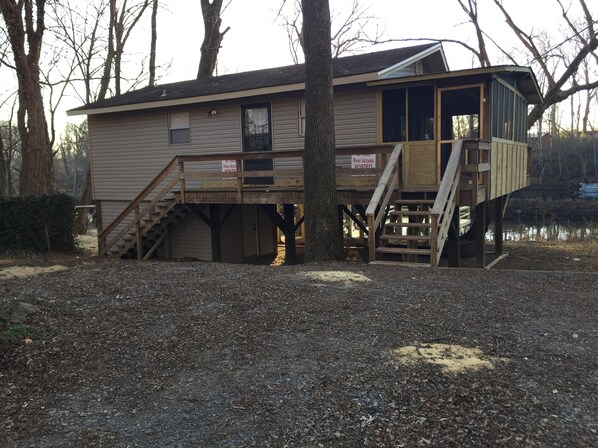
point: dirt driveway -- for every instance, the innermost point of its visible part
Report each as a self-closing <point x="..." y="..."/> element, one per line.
<point x="203" y="354"/>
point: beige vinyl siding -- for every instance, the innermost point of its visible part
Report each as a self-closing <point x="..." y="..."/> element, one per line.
<point x="190" y="238"/>
<point x="110" y="210"/>
<point x="129" y="150"/>
<point x="354" y="118"/>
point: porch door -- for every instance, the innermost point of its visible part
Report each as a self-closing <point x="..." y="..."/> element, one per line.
<point x="461" y="116"/>
<point x="257" y="136"/>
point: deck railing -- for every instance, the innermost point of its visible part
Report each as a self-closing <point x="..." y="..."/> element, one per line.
<point x="387" y="185"/>
<point x="445" y="203"/>
<point x="189" y="172"/>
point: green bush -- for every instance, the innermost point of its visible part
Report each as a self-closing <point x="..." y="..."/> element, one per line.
<point x="33" y="223"/>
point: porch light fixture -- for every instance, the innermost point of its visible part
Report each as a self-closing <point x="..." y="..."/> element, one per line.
<point x="212" y="113"/>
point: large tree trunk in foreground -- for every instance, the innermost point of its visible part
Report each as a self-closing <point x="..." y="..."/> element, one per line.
<point x="212" y="37"/>
<point x="323" y="234"/>
<point x="25" y="27"/>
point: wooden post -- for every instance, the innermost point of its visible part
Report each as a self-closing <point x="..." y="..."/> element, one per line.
<point x="498" y="227"/>
<point x="239" y="181"/>
<point x="341" y="223"/>
<point x="480" y="234"/>
<point x="434" y="256"/>
<point x="138" y="234"/>
<point x="371" y="238"/>
<point x="454" y="255"/>
<point x="290" y="248"/>
<point x="182" y="180"/>
<point x="215" y="232"/>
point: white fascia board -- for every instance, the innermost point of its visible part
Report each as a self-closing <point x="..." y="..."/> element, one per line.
<point x="388" y="72"/>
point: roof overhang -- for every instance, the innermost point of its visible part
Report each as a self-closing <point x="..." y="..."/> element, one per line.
<point x="362" y="78"/>
<point x="436" y="50"/>
<point x="525" y="75"/>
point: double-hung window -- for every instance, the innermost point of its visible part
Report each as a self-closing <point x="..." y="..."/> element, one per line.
<point x="302" y="117"/>
<point x="178" y="124"/>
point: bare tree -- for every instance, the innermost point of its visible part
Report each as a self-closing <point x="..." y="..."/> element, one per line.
<point x="352" y="28"/>
<point x="127" y="18"/>
<point x="323" y="232"/>
<point x="212" y="41"/>
<point x="471" y="9"/>
<point x="560" y="87"/>
<point x="25" y="25"/>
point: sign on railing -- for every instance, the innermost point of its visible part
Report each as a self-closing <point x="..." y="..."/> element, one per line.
<point x="229" y="166"/>
<point x="359" y="161"/>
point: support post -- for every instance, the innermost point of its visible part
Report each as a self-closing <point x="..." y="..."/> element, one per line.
<point x="454" y="255"/>
<point x="498" y="227"/>
<point x="341" y="215"/>
<point x="480" y="234"/>
<point x="138" y="234"/>
<point x="290" y="248"/>
<point x="215" y="232"/>
<point x="371" y="238"/>
<point x="182" y="181"/>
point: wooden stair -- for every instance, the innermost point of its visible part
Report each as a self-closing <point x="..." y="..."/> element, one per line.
<point x="152" y="229"/>
<point x="406" y="235"/>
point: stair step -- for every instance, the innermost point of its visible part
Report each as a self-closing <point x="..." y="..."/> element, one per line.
<point x="414" y="201"/>
<point x="410" y="213"/>
<point x="408" y="224"/>
<point x="406" y="237"/>
<point x="402" y="251"/>
<point x="400" y="263"/>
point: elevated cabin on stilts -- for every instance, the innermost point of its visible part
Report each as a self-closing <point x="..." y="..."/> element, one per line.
<point x="209" y="169"/>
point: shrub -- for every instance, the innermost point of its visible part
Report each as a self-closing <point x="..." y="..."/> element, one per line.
<point x="37" y="223"/>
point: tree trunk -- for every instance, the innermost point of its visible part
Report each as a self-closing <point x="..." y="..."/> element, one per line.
<point x="152" y="61"/>
<point x="212" y="39"/>
<point x="3" y="170"/>
<point x="25" y="26"/>
<point x="323" y="234"/>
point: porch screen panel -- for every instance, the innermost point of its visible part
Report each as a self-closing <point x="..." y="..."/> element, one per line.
<point x="421" y="113"/>
<point x="394" y="116"/>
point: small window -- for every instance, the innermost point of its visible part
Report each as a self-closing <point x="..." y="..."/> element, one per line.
<point x="302" y="117"/>
<point x="179" y="128"/>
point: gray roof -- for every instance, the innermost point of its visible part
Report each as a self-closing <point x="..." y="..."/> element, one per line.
<point x="279" y="76"/>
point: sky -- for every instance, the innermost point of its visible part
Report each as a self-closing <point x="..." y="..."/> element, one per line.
<point x="256" y="40"/>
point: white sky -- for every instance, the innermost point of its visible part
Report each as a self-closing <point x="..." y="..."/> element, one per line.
<point x="256" y="41"/>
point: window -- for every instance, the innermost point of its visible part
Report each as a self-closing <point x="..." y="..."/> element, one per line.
<point x="179" y="128"/>
<point x="302" y="116"/>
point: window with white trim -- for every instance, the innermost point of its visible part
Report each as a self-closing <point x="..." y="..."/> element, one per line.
<point x="302" y="116"/>
<point x="178" y="124"/>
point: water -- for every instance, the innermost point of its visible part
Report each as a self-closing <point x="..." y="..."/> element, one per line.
<point x="547" y="231"/>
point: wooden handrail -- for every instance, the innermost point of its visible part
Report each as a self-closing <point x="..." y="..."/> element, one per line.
<point x="139" y="209"/>
<point x="445" y="202"/>
<point x="343" y="151"/>
<point x="140" y="197"/>
<point x="389" y="181"/>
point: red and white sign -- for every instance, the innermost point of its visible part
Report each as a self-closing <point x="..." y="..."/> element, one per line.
<point x="363" y="161"/>
<point x="229" y="166"/>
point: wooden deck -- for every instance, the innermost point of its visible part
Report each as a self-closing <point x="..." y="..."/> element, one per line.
<point x="412" y="223"/>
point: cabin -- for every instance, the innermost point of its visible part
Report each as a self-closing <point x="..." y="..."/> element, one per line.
<point x="213" y="169"/>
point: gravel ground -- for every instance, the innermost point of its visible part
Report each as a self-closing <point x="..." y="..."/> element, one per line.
<point x="164" y="354"/>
